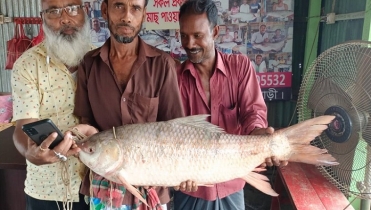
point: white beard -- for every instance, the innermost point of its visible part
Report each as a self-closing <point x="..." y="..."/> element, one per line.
<point x="69" y="49"/>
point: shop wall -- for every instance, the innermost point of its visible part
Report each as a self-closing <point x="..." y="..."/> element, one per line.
<point x="12" y="8"/>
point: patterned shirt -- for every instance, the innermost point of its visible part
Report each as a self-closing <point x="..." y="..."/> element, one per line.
<point x="46" y="89"/>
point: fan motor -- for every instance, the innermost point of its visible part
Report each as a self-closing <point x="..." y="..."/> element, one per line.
<point x="340" y="128"/>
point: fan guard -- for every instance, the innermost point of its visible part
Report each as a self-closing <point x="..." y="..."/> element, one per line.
<point x="338" y="82"/>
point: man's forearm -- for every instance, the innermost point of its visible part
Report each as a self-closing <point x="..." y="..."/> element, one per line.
<point x="20" y="139"/>
<point x="20" y="144"/>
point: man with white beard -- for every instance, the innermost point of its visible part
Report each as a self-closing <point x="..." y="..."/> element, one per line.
<point x="43" y="86"/>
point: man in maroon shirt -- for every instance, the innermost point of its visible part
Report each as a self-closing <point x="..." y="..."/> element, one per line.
<point x="123" y="82"/>
<point x="224" y="86"/>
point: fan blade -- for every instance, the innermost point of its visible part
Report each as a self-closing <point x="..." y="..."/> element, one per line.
<point x="325" y="94"/>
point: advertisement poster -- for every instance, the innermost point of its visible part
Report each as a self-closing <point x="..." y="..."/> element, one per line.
<point x="260" y="29"/>
<point x="99" y="31"/>
<point x="163" y="14"/>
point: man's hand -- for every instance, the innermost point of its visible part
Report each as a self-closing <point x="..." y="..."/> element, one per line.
<point x="40" y="155"/>
<point x="262" y="131"/>
<point x="271" y="161"/>
<point x="85" y="129"/>
<point x="80" y="131"/>
<point x="187" y="186"/>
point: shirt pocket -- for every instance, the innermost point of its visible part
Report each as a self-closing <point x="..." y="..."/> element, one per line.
<point x="228" y="119"/>
<point x="144" y="109"/>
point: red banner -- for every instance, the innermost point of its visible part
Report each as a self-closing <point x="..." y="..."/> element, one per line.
<point x="274" y="79"/>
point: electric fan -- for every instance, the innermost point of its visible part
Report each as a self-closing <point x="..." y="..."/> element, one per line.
<point x="338" y="83"/>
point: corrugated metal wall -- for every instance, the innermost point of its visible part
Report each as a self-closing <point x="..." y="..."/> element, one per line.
<point x="341" y="31"/>
<point x="14" y="8"/>
<point x="283" y="113"/>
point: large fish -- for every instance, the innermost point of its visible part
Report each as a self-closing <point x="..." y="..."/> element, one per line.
<point x="244" y="16"/>
<point x="190" y="148"/>
<point x="281" y="14"/>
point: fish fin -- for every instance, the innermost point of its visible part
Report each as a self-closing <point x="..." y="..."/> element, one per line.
<point x="260" y="182"/>
<point x="316" y="159"/>
<point x="132" y="189"/>
<point x="198" y="121"/>
<point x="258" y="169"/>
<point x="300" y="136"/>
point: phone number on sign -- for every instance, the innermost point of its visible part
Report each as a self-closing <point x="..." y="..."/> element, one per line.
<point x="274" y="79"/>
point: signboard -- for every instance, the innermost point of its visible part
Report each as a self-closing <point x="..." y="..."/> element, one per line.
<point x="163" y="14"/>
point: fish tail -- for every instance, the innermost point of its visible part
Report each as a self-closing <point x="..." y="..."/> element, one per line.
<point x="299" y="137"/>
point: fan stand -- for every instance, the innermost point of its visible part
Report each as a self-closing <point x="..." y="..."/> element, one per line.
<point x="366" y="186"/>
<point x="339" y="80"/>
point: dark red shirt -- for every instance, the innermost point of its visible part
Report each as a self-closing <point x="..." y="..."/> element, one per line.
<point x="236" y="105"/>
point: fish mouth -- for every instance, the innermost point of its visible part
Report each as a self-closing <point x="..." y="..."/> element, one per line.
<point x="84" y="146"/>
<point x="80" y="144"/>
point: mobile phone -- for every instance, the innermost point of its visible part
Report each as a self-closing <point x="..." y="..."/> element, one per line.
<point x="38" y="131"/>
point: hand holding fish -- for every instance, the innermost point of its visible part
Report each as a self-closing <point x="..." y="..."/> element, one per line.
<point x="40" y="155"/>
<point x="84" y="130"/>
<point x="187" y="186"/>
<point x="271" y="161"/>
<point x="262" y="131"/>
<point x="81" y="131"/>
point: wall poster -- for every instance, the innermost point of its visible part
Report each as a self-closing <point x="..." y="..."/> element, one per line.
<point x="261" y="29"/>
<point x="99" y="31"/>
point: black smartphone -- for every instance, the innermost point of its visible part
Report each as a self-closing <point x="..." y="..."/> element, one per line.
<point x="38" y="131"/>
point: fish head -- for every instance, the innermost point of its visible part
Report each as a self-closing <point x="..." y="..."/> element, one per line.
<point x="101" y="154"/>
<point x="89" y="144"/>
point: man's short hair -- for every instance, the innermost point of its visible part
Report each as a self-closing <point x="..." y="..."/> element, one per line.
<point x="199" y="7"/>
